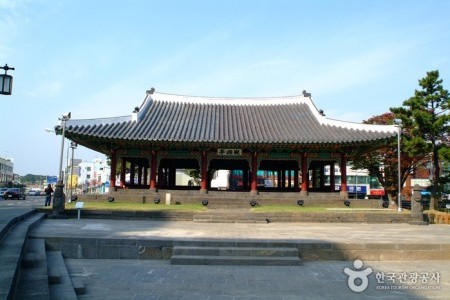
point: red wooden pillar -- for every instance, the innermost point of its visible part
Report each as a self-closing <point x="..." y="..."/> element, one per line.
<point x="204" y="171"/>
<point x="344" y="192"/>
<point x="153" y="172"/>
<point x="112" y="177"/>
<point x="122" y="173"/>
<point x="254" y="180"/>
<point x="304" y="190"/>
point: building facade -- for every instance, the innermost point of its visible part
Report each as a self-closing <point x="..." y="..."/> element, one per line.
<point x="284" y="138"/>
<point x="93" y="177"/>
<point x="6" y="170"/>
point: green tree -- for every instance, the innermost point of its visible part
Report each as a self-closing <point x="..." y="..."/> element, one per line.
<point x="426" y="115"/>
<point x="382" y="162"/>
<point x="31" y="179"/>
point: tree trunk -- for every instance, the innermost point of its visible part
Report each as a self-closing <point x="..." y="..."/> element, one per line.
<point x="392" y="200"/>
<point x="433" y="202"/>
<point x="436" y="171"/>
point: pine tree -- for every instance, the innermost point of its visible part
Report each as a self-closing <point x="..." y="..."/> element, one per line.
<point x="426" y="114"/>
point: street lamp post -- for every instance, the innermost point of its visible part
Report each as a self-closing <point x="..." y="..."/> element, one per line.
<point x="73" y="145"/>
<point x="58" y="196"/>
<point x="6" y="81"/>
<point x="398" y="122"/>
<point x="63" y="120"/>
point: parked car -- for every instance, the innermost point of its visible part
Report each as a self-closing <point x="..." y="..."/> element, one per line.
<point x="35" y="192"/>
<point x="14" y="193"/>
<point x="2" y="191"/>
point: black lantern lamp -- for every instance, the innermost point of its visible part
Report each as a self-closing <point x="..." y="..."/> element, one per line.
<point x="6" y="81"/>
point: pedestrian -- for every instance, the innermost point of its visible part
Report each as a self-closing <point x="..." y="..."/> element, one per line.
<point x="48" y="195"/>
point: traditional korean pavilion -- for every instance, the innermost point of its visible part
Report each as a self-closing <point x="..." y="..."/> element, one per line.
<point x="286" y="138"/>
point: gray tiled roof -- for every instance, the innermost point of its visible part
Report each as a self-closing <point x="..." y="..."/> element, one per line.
<point x="290" y="120"/>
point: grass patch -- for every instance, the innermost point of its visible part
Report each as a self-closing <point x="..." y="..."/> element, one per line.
<point x="300" y="209"/>
<point x="131" y="206"/>
<point x="134" y="206"/>
<point x="287" y="209"/>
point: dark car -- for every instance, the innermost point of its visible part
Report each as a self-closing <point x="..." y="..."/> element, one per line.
<point x="14" y="193"/>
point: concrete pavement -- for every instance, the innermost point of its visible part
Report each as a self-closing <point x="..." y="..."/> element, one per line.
<point x="158" y="279"/>
<point x="282" y="232"/>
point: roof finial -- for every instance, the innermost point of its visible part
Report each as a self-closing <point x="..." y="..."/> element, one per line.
<point x="305" y="94"/>
<point x="151" y="91"/>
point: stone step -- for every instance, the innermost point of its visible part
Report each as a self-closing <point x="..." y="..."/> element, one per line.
<point x="12" y="250"/>
<point x="221" y="215"/>
<point x="234" y="260"/>
<point x="29" y="260"/>
<point x="78" y="286"/>
<point x="227" y="220"/>
<point x="13" y="218"/>
<point x="236" y="251"/>
<point x="33" y="282"/>
<point x="58" y="277"/>
<point x="258" y="255"/>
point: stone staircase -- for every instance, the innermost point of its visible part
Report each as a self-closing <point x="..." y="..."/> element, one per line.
<point x="28" y="270"/>
<point x="257" y="254"/>
<point x="224" y="215"/>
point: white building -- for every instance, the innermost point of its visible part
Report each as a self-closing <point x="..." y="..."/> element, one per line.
<point x="93" y="177"/>
<point x="6" y="170"/>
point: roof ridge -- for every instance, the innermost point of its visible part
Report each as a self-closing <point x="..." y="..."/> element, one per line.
<point x="240" y="101"/>
<point x="227" y="97"/>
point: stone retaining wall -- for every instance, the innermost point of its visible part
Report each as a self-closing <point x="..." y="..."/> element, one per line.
<point x="98" y="248"/>
<point x="230" y="199"/>
<point x="244" y="216"/>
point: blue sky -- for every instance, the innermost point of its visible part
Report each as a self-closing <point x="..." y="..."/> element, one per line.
<point x="96" y="58"/>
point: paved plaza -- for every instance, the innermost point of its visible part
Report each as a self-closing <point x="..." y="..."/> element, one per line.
<point x="158" y="279"/>
<point x="289" y="232"/>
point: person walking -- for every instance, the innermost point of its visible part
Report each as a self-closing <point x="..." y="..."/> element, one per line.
<point x="48" y="195"/>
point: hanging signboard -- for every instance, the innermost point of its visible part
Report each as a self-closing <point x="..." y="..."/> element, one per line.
<point x="229" y="152"/>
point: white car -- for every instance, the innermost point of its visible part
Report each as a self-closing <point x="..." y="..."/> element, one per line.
<point x="35" y="192"/>
<point x="2" y="192"/>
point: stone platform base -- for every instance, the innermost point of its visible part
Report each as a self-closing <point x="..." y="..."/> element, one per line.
<point x="98" y="248"/>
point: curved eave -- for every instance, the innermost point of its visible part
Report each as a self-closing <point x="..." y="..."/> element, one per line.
<point x="100" y="143"/>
